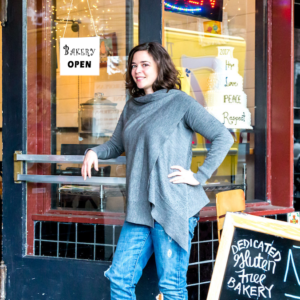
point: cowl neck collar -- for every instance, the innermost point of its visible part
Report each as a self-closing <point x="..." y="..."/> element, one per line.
<point x="160" y="94"/>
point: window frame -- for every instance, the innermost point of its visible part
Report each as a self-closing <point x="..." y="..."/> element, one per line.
<point x="271" y="196"/>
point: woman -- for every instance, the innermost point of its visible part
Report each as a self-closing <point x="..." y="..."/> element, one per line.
<point x="164" y="196"/>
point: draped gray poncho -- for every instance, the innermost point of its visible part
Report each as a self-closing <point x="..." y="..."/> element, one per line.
<point x="156" y="132"/>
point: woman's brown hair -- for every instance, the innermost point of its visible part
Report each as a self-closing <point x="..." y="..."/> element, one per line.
<point x="168" y="77"/>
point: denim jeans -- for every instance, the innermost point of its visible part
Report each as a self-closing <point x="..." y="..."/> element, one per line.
<point x="135" y="246"/>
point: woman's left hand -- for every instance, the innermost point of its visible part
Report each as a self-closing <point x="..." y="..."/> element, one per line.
<point x="183" y="176"/>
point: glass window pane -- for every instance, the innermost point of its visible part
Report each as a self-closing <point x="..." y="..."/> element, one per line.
<point x="68" y="114"/>
<point x="60" y="121"/>
<point x="212" y="43"/>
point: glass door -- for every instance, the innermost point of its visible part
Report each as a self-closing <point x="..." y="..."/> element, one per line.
<point x="68" y="114"/>
<point x="60" y="233"/>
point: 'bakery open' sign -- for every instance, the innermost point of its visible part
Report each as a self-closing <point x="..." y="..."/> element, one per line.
<point x="80" y="56"/>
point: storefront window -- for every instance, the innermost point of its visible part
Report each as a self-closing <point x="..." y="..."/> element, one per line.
<point x="68" y="114"/>
<point x="212" y="43"/>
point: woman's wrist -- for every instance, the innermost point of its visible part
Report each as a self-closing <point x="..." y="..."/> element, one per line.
<point x="196" y="181"/>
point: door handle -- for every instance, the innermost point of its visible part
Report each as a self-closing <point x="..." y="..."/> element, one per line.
<point x="19" y="177"/>
<point x="74" y="159"/>
<point x="22" y="159"/>
<point x="59" y="179"/>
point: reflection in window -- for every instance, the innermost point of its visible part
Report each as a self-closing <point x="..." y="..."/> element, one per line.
<point x="68" y="114"/>
<point x="214" y="51"/>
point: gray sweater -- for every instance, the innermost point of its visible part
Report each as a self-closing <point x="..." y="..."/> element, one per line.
<point x="156" y="132"/>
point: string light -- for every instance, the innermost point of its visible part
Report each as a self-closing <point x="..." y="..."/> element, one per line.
<point x="182" y="8"/>
<point x="238" y="5"/>
<point x="226" y="4"/>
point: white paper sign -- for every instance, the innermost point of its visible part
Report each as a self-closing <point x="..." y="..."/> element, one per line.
<point x="80" y="56"/>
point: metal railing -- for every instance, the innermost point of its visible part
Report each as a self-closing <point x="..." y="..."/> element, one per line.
<point x="96" y="181"/>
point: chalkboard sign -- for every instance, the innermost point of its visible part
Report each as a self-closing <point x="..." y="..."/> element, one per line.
<point x="258" y="258"/>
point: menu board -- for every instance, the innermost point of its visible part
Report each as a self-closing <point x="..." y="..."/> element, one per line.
<point x="260" y="260"/>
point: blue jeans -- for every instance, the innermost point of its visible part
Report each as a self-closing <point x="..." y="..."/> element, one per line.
<point x="135" y="246"/>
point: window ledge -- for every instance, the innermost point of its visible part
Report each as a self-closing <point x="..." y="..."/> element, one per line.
<point x="257" y="209"/>
<point x="108" y="218"/>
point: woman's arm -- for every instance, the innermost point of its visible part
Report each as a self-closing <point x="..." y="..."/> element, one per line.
<point x="111" y="149"/>
<point x="202" y="122"/>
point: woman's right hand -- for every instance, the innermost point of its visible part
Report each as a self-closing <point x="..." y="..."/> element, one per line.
<point x="89" y="160"/>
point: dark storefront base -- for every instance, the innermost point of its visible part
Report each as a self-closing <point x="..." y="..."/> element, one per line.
<point x="86" y="242"/>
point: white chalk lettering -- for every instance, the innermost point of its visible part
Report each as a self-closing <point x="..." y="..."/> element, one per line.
<point x="252" y="284"/>
<point x="245" y="260"/>
<point x="238" y="288"/>
<point x="291" y="259"/>
<point x="231" y="282"/>
<point x="269" y="290"/>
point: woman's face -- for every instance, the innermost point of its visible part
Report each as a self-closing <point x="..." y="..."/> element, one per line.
<point x="144" y="71"/>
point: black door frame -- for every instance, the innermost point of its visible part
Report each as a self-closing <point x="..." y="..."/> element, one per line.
<point x="32" y="277"/>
